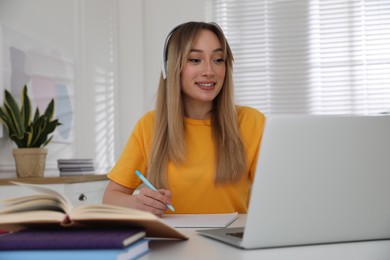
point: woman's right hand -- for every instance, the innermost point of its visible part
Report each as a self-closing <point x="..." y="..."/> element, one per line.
<point x="145" y="199"/>
<point x="153" y="201"/>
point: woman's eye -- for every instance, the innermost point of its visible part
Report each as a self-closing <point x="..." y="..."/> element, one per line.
<point x="193" y="60"/>
<point x="220" y="60"/>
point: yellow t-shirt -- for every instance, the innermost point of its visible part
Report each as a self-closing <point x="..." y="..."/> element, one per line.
<point x="192" y="182"/>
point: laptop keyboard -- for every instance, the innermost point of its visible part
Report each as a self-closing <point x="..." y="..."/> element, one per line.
<point x="236" y="234"/>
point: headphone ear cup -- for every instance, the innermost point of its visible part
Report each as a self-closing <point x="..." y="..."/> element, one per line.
<point x="165" y="51"/>
<point x="165" y="56"/>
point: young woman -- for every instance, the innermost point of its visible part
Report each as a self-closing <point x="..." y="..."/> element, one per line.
<point x="198" y="148"/>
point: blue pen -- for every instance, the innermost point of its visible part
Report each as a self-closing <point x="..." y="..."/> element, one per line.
<point x="147" y="183"/>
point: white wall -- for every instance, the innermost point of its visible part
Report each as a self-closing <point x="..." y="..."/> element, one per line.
<point x="31" y="18"/>
<point x="130" y="94"/>
<point x="122" y="38"/>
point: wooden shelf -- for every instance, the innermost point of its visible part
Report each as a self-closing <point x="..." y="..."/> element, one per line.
<point x="56" y="180"/>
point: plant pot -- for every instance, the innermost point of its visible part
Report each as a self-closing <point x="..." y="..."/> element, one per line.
<point x="30" y="162"/>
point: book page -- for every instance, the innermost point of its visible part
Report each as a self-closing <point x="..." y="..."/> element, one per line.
<point x="108" y="211"/>
<point x="32" y="217"/>
<point x="47" y="193"/>
<point x="30" y="203"/>
<point x="199" y="220"/>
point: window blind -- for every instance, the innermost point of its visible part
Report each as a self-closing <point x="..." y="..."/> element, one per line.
<point x="309" y="57"/>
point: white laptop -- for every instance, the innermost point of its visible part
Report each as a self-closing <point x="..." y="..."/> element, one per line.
<point x="319" y="179"/>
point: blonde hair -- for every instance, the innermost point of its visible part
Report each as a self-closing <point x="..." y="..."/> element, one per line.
<point x="168" y="143"/>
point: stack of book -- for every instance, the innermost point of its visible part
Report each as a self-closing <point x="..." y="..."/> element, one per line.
<point x="100" y="231"/>
<point x="72" y="167"/>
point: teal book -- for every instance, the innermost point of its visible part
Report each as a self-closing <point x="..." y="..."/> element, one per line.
<point x="133" y="251"/>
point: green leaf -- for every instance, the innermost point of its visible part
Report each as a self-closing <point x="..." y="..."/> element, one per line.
<point x="13" y="113"/>
<point x="4" y="118"/>
<point x="36" y="115"/>
<point x="49" y="112"/>
<point x="47" y="141"/>
<point x="17" y="140"/>
<point x="26" y="108"/>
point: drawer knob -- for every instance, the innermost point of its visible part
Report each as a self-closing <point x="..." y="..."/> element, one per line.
<point x="82" y="197"/>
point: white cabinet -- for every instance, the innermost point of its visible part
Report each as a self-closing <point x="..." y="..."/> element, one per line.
<point x="85" y="192"/>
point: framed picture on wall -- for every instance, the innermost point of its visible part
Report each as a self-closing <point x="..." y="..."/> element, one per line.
<point x="47" y="71"/>
<point x="1" y="75"/>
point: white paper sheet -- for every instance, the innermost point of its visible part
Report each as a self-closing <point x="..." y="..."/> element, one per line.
<point x="199" y="220"/>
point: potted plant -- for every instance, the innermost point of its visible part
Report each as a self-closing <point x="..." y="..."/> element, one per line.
<point x="30" y="134"/>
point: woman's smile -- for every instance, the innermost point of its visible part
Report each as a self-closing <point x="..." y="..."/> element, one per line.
<point x="206" y="85"/>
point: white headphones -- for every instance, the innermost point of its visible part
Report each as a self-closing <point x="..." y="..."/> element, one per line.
<point x="165" y="51"/>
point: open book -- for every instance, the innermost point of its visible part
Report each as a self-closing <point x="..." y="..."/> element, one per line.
<point x="50" y="209"/>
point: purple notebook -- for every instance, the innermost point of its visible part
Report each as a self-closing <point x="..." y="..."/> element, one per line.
<point x="70" y="239"/>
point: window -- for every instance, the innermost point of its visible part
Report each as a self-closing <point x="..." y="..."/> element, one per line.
<point x="309" y="57"/>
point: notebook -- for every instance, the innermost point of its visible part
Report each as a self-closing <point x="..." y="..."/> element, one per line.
<point x="319" y="179"/>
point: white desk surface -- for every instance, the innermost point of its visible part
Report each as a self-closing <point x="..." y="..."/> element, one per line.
<point x="199" y="247"/>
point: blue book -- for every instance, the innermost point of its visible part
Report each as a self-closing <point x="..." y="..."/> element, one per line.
<point x="134" y="251"/>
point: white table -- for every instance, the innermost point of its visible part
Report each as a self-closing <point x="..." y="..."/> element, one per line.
<point x="199" y="247"/>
